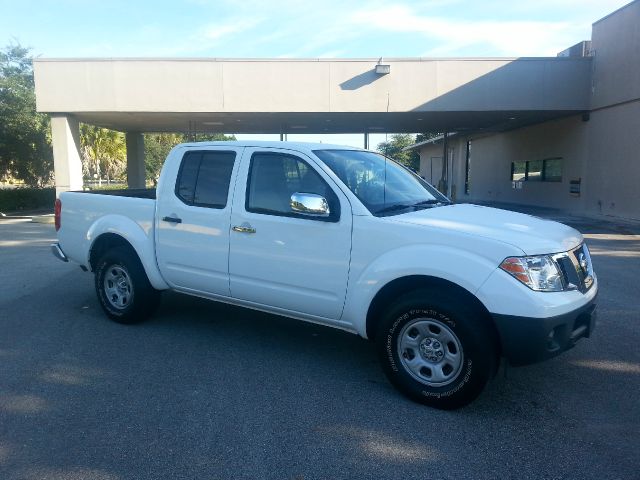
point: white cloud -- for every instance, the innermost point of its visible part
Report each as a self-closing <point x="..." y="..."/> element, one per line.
<point x="450" y="35"/>
<point x="217" y="31"/>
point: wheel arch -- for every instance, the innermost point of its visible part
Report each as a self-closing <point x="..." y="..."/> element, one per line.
<point x="110" y="240"/>
<point x="105" y="242"/>
<point x="406" y="284"/>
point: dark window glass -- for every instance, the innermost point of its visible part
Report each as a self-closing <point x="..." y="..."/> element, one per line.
<point x="204" y="178"/>
<point x="187" y="177"/>
<point x="212" y="187"/>
<point x="518" y="171"/>
<point x="552" y="170"/>
<point x="273" y="178"/>
<point x="534" y="171"/>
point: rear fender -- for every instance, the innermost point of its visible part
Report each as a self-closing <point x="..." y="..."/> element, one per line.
<point x="139" y="236"/>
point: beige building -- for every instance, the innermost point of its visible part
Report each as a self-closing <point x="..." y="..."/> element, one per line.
<point x="567" y="126"/>
<point x="588" y="162"/>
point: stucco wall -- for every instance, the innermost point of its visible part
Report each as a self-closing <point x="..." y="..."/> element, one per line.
<point x="491" y="158"/>
<point x="614" y="161"/>
<point x="316" y="85"/>
<point x="603" y="153"/>
<point x="616" y="57"/>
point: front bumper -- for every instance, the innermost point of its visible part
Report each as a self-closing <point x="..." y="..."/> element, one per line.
<point x="527" y="340"/>
<point x="58" y="253"/>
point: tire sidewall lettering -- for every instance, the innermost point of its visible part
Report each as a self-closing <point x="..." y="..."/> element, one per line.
<point x="457" y="388"/>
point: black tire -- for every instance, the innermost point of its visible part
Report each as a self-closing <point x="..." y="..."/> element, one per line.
<point x="417" y="339"/>
<point x="136" y="300"/>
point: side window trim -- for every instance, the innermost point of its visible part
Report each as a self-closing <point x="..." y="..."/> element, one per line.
<point x="201" y="154"/>
<point x="334" y="216"/>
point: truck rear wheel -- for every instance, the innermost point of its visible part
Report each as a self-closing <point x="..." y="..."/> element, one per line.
<point x="122" y="286"/>
<point x="436" y="348"/>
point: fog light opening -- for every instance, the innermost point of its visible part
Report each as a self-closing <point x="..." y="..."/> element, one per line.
<point x="552" y="343"/>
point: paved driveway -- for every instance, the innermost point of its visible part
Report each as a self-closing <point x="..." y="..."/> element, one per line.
<point x="208" y="391"/>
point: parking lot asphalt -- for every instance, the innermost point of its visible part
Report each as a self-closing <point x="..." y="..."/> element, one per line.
<point x="208" y="391"/>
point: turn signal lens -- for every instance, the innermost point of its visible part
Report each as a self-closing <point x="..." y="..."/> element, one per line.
<point x="540" y="273"/>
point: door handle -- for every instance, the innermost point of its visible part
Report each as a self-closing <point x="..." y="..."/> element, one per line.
<point x="243" y="229"/>
<point x="172" y="219"/>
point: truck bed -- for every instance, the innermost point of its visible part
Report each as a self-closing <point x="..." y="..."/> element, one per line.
<point x="83" y="212"/>
<point x="124" y="192"/>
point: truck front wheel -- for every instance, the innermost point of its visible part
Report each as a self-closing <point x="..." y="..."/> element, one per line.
<point x="436" y="348"/>
<point x="124" y="291"/>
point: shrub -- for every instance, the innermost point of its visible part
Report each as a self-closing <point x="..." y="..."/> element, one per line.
<point x="21" y="199"/>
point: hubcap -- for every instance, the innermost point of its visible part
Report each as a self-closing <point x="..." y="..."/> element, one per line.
<point x="430" y="351"/>
<point x="118" y="287"/>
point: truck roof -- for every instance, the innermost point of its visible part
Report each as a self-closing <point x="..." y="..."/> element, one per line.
<point x="272" y="144"/>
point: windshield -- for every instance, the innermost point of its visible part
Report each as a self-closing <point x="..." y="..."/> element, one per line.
<point x="382" y="185"/>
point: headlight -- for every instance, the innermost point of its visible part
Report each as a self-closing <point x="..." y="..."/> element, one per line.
<point x="540" y="273"/>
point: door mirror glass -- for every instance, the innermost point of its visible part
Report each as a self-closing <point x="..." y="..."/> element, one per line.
<point x="310" y="204"/>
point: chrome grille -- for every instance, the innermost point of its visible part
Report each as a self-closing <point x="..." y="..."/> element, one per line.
<point x="577" y="268"/>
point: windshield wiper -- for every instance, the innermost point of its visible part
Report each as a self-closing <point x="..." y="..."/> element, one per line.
<point x="394" y="207"/>
<point x="422" y="204"/>
<point x="433" y="201"/>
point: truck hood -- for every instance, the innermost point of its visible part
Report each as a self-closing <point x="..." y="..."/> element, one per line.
<point x="532" y="235"/>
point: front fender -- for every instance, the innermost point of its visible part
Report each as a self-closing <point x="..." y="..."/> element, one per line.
<point x="463" y="268"/>
<point x="139" y="236"/>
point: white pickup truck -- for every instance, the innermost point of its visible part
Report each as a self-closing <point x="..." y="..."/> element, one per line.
<point x="346" y="238"/>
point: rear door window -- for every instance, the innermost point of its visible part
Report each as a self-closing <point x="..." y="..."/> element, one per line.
<point x="204" y="178"/>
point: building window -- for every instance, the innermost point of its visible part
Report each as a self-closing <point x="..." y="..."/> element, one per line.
<point x="552" y="170"/>
<point x="547" y="170"/>
<point x="534" y="171"/>
<point x="518" y="171"/>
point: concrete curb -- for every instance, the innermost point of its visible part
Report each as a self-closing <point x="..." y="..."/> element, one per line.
<point x="47" y="219"/>
<point x="35" y="217"/>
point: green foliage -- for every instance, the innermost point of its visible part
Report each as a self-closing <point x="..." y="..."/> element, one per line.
<point x="213" y="137"/>
<point x="156" y="148"/>
<point x="20" y="199"/>
<point x="104" y="153"/>
<point x="158" y="145"/>
<point x="421" y="137"/>
<point x="25" y="139"/>
<point x="394" y="148"/>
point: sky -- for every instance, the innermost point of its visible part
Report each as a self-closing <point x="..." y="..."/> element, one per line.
<point x="300" y="29"/>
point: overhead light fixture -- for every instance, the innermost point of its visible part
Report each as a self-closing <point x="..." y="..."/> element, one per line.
<point x="376" y="128"/>
<point x="297" y="126"/>
<point x="213" y="123"/>
<point x="383" y="69"/>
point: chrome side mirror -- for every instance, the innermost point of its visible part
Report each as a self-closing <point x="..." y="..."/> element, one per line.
<point x="309" y="204"/>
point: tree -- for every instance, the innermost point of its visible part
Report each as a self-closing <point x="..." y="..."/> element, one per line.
<point x="156" y="149"/>
<point x="158" y="145"/>
<point x="394" y="148"/>
<point x="421" y="137"/>
<point x="25" y="138"/>
<point x="104" y="152"/>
